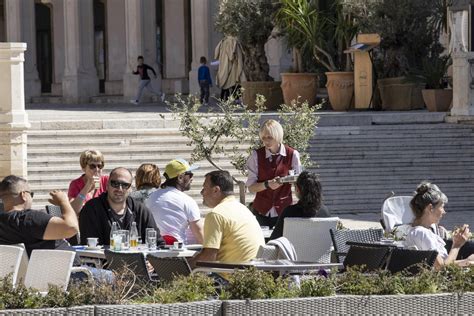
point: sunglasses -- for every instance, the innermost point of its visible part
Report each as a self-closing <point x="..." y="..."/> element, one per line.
<point x="119" y="184"/>
<point x="94" y="166"/>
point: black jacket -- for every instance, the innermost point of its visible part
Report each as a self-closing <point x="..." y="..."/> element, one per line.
<point x="95" y="219"/>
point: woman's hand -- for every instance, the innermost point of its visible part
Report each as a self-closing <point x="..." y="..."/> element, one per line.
<point x="90" y="184"/>
<point x="460" y="236"/>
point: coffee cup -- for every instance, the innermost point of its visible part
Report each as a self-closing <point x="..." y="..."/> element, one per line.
<point x="178" y="245"/>
<point x="96" y="183"/>
<point x="92" y="242"/>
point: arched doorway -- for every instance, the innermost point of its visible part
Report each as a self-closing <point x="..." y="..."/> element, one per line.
<point x="3" y="35"/>
<point x="44" y="52"/>
<point x="100" y="48"/>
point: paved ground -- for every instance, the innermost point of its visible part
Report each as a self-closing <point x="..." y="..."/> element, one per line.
<point x="126" y="111"/>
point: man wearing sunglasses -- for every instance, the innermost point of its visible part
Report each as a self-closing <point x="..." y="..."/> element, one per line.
<point x="36" y="229"/>
<point x="174" y="211"/>
<point x="114" y="205"/>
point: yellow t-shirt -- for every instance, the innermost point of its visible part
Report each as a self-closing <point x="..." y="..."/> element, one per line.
<point x="233" y="229"/>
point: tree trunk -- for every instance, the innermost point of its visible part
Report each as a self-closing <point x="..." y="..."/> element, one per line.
<point x="256" y="66"/>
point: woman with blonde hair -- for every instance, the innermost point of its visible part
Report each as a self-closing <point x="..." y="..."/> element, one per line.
<point x="266" y="166"/>
<point x="147" y="180"/>
<point x="91" y="183"/>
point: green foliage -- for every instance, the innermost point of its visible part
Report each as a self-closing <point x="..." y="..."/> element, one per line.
<point x="318" y="286"/>
<point x="195" y="287"/>
<point x="256" y="284"/>
<point x="354" y="282"/>
<point x="457" y="279"/>
<point x="18" y="297"/>
<point x="208" y="134"/>
<point x="434" y="72"/>
<point x="426" y="281"/>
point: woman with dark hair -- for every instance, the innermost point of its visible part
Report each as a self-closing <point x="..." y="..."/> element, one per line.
<point x="308" y="192"/>
<point x="428" y="207"/>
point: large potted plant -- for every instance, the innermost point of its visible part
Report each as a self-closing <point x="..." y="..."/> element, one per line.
<point x="325" y="33"/>
<point x="251" y="23"/>
<point x="409" y="34"/>
<point x="435" y="95"/>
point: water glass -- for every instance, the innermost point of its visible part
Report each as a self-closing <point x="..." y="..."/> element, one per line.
<point x="125" y="238"/>
<point x="117" y="242"/>
<point x="151" y="239"/>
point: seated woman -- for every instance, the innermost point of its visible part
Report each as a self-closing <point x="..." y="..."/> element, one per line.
<point x="428" y="208"/>
<point x="147" y="180"/>
<point x="91" y="183"/>
<point x="308" y="192"/>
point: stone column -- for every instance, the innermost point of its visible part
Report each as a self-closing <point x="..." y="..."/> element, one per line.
<point x="13" y="117"/>
<point x="200" y="28"/>
<point x="24" y="11"/>
<point x="174" y="68"/>
<point x="80" y="80"/>
<point x="116" y="52"/>
<point x="58" y="45"/>
<point x="133" y="45"/>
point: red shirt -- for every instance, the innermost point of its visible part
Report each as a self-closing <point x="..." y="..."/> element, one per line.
<point x="76" y="186"/>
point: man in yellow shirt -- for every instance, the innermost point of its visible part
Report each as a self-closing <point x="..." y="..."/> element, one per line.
<point x="231" y="232"/>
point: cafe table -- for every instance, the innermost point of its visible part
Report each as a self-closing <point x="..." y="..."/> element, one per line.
<point x="282" y="266"/>
<point x="381" y="243"/>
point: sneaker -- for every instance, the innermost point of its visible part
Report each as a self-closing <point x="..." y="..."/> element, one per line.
<point x="163" y="96"/>
<point x="134" y="101"/>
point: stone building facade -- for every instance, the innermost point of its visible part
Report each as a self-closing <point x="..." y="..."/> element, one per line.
<point x="79" y="50"/>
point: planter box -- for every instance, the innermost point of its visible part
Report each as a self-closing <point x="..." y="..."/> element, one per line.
<point x="295" y="306"/>
<point x="429" y="304"/>
<point x="72" y="311"/>
<point x="466" y="303"/>
<point x="193" y="308"/>
<point x="269" y="89"/>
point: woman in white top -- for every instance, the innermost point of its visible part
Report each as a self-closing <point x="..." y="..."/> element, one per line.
<point x="428" y="207"/>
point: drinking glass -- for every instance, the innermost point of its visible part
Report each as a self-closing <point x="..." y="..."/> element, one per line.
<point x="117" y="242"/>
<point x="151" y="239"/>
<point x="125" y="238"/>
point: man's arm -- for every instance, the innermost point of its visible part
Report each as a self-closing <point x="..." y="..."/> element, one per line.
<point x="197" y="229"/>
<point x="152" y="70"/>
<point x="207" y="254"/>
<point x="65" y="226"/>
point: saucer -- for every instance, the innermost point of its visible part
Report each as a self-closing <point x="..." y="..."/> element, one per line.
<point x="93" y="248"/>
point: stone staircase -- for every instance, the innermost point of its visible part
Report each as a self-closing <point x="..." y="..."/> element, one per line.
<point x="358" y="165"/>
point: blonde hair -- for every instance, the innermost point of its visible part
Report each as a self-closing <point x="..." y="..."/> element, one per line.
<point x="272" y="128"/>
<point x="88" y="156"/>
<point x="147" y="174"/>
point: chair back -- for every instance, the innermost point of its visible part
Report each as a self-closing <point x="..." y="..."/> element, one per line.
<point x="135" y="261"/>
<point x="54" y="210"/>
<point x="408" y="260"/>
<point x="168" y="268"/>
<point x="310" y="237"/>
<point x="372" y="258"/>
<point x="49" y="267"/>
<point x="396" y="211"/>
<point x="267" y="252"/>
<point x="340" y="237"/>
<point x="11" y="261"/>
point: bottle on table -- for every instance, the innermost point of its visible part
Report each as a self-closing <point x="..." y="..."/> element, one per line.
<point x="134" y="236"/>
<point x="113" y="232"/>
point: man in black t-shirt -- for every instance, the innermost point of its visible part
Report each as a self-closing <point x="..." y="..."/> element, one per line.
<point x="35" y="229"/>
<point x="115" y="205"/>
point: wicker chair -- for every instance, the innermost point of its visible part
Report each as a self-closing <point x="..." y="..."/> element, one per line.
<point x="11" y="261"/>
<point x="169" y="267"/>
<point x="372" y="258"/>
<point x="409" y="260"/>
<point x="267" y="252"/>
<point x="310" y="237"/>
<point x="341" y="236"/>
<point x="135" y="261"/>
<point x="49" y="267"/>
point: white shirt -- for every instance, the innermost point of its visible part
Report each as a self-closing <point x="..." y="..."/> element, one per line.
<point x="173" y="210"/>
<point x="424" y="239"/>
<point x="252" y="168"/>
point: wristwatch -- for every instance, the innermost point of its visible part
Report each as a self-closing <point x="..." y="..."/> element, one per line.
<point x="267" y="186"/>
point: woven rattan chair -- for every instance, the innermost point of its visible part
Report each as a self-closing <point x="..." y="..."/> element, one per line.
<point x="135" y="261"/>
<point x="341" y="236"/>
<point x="54" y="210"/>
<point x="310" y="237"/>
<point x="168" y="268"/>
<point x="409" y="260"/>
<point x="49" y="267"/>
<point x="267" y="252"/>
<point x="11" y="261"/>
<point x="372" y="258"/>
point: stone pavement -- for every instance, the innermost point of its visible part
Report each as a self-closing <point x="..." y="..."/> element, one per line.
<point x="146" y="111"/>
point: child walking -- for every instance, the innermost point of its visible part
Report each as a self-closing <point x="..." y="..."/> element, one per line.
<point x="145" y="81"/>
<point x="205" y="81"/>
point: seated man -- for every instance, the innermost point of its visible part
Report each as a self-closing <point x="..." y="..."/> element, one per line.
<point x="231" y="232"/>
<point x="173" y="209"/>
<point x="114" y="205"/>
<point x="36" y="229"/>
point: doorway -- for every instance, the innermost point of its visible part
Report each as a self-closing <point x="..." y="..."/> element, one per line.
<point x="100" y="48"/>
<point x="44" y="52"/>
<point x="3" y="35"/>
